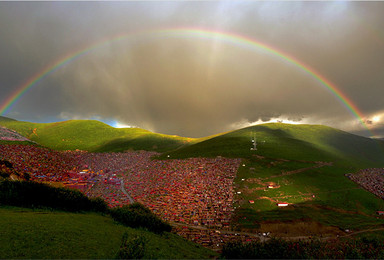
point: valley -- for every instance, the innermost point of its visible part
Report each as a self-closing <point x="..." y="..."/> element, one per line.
<point x="296" y="185"/>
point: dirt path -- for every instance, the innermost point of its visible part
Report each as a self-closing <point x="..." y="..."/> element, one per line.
<point x="266" y="238"/>
<point x="363" y="231"/>
<point x="261" y="237"/>
<point x="125" y="192"/>
<point x="309" y="194"/>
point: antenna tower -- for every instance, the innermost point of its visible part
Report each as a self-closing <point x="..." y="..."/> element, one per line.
<point x="254" y="148"/>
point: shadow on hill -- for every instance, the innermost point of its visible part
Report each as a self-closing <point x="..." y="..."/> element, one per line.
<point x="147" y="142"/>
<point x="39" y="195"/>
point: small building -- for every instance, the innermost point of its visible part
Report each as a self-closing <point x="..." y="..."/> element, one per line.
<point x="252" y="201"/>
<point x="380" y="213"/>
<point x="281" y="204"/>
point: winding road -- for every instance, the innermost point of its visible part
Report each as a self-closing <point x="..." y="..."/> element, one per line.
<point x="125" y="192"/>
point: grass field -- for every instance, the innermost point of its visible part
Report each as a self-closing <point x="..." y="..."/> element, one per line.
<point x="318" y="193"/>
<point x="26" y="233"/>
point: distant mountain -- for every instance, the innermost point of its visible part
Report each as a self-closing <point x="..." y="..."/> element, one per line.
<point x="95" y="136"/>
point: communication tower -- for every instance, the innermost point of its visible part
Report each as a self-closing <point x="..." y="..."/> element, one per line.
<point x="254" y="143"/>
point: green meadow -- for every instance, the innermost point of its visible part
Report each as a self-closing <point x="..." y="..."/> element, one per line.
<point x="44" y="234"/>
<point x="306" y="165"/>
<point x="322" y="195"/>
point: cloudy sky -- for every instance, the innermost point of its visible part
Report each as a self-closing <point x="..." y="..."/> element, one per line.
<point x="189" y="85"/>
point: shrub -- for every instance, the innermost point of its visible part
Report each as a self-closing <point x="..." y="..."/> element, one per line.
<point x="136" y="215"/>
<point x="4" y="174"/>
<point x="280" y="249"/>
<point x="40" y="195"/>
<point x="132" y="248"/>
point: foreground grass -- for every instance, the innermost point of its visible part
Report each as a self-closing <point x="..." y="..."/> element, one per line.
<point x="26" y="233"/>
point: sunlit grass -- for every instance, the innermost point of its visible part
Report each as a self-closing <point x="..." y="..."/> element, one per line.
<point x="95" y="136"/>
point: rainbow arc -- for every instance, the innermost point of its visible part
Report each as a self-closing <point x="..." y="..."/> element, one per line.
<point x="227" y="37"/>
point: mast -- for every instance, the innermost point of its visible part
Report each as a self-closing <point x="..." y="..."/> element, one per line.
<point x="254" y="143"/>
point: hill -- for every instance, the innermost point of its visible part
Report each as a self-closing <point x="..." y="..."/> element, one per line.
<point x="293" y="142"/>
<point x="304" y="166"/>
<point x="275" y="140"/>
<point x="43" y="234"/>
<point x="95" y="136"/>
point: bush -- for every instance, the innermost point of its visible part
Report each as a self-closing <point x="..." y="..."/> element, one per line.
<point x="280" y="249"/>
<point x="136" y="215"/>
<point x="39" y="195"/>
<point x="4" y="174"/>
<point x="133" y="248"/>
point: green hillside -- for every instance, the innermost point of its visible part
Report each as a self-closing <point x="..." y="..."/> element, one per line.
<point x="293" y="142"/>
<point x="42" y="234"/>
<point x="305" y="165"/>
<point x="319" y="194"/>
<point x="95" y="136"/>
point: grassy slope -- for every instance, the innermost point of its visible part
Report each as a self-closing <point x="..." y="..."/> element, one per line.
<point x="337" y="202"/>
<point x="294" y="142"/>
<point x="26" y="233"/>
<point x="95" y="136"/>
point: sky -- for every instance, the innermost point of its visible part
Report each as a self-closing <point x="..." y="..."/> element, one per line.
<point x="140" y="64"/>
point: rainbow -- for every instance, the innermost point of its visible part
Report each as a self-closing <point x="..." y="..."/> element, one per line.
<point x="227" y="37"/>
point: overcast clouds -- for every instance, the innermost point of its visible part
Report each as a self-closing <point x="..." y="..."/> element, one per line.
<point x="192" y="86"/>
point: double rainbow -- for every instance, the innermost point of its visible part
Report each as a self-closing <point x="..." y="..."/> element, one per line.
<point x="227" y="37"/>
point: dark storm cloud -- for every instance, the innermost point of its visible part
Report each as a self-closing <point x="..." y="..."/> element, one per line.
<point x="191" y="86"/>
